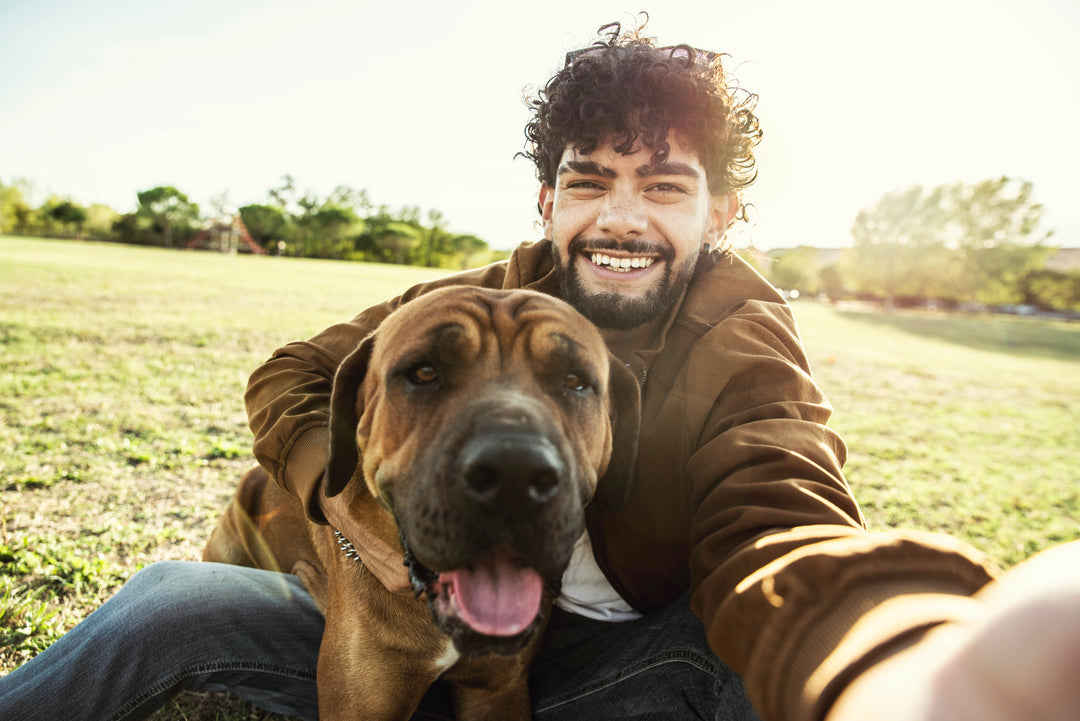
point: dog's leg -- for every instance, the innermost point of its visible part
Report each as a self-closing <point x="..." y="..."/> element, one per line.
<point x="236" y="539"/>
<point x="494" y="687"/>
<point x="380" y="652"/>
<point x="509" y="702"/>
<point x="359" y="677"/>
<point x="264" y="527"/>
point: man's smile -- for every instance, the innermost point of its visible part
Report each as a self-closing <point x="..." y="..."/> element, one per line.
<point x="623" y="264"/>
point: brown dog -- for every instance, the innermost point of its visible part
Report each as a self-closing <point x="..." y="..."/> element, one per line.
<point x="472" y="426"/>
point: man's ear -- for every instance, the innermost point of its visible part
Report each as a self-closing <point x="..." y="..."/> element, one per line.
<point x="545" y="203"/>
<point x="722" y="212"/>
<point x="345" y="417"/>
<point x="624" y="398"/>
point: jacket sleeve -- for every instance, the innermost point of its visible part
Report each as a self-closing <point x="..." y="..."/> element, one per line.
<point x="288" y="397"/>
<point x="794" y="594"/>
<point x="288" y="405"/>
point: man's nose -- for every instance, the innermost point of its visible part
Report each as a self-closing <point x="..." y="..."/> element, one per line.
<point x="623" y="215"/>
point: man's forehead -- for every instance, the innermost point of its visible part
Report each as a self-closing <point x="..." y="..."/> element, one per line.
<point x="605" y="161"/>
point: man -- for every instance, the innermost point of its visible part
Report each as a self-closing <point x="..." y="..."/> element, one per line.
<point x="739" y="509"/>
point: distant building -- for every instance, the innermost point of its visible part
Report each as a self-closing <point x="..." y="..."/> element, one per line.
<point x="1064" y="260"/>
<point x="225" y="234"/>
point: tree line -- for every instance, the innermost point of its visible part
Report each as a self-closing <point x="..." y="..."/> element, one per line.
<point x="960" y="245"/>
<point x="955" y="245"/>
<point x="344" y="225"/>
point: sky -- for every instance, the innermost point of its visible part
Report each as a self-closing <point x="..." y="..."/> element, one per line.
<point x="421" y="102"/>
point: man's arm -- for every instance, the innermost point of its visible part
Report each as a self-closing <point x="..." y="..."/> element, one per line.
<point x="1017" y="658"/>
<point x="784" y="576"/>
<point x="288" y="405"/>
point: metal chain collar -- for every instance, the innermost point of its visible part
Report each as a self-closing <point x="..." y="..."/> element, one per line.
<point x="346" y="545"/>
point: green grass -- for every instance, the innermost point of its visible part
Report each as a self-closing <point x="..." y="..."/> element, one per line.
<point x="122" y="371"/>
<point x="967" y="425"/>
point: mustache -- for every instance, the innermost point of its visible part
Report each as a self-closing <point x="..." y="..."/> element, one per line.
<point x="633" y="246"/>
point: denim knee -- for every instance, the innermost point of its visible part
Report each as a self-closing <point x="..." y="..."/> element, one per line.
<point x="175" y="626"/>
<point x="657" y="667"/>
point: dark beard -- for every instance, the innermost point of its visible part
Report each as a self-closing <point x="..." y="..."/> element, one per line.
<point x="612" y="310"/>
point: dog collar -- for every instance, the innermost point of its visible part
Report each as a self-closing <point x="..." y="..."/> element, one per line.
<point x="346" y="545"/>
<point x="421" y="578"/>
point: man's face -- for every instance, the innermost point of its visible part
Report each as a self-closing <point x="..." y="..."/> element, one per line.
<point x="626" y="232"/>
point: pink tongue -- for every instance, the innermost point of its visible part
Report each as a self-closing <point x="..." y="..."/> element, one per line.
<point x="496" y="597"/>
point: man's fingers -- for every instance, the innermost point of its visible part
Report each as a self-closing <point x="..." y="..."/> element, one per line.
<point x="1020" y="661"/>
<point x="1028" y="645"/>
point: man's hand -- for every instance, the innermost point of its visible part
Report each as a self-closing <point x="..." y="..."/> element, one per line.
<point x="1020" y="662"/>
<point x="386" y="562"/>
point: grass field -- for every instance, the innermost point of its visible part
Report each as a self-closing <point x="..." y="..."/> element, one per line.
<point x="122" y="371"/>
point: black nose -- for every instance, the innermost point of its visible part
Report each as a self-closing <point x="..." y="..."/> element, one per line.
<point x="511" y="468"/>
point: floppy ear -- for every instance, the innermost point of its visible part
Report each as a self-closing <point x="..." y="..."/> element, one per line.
<point x="625" y="397"/>
<point x="344" y="455"/>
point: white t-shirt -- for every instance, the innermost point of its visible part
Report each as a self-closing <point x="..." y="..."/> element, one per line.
<point x="585" y="590"/>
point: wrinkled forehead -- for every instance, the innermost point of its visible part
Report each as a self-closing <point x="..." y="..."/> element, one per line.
<point x="471" y="323"/>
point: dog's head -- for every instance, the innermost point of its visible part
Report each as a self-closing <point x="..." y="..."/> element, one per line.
<point x="483" y="420"/>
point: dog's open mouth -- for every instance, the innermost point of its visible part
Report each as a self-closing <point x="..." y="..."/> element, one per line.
<point x="496" y="595"/>
<point x="491" y="605"/>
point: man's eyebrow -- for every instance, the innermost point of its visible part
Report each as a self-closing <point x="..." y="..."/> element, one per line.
<point x="586" y="167"/>
<point x="668" y="168"/>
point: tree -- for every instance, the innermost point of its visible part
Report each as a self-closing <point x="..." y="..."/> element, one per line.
<point x="468" y="246"/>
<point x="284" y="196"/>
<point x="888" y="240"/>
<point x="169" y="209"/>
<point x="797" y="269"/>
<point x="1052" y="290"/>
<point x="12" y="206"/>
<point x="399" y="238"/>
<point x="326" y="230"/>
<point x="134" y="228"/>
<point x="70" y="215"/>
<point x="266" y="223"/>
<point x="995" y="224"/>
<point x="99" y="220"/>
<point x="953" y="242"/>
<point x="832" y="281"/>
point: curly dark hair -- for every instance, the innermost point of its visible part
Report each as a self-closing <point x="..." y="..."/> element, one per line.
<point x="624" y="88"/>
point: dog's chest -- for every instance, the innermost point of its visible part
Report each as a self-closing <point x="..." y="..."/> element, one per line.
<point x="449" y="657"/>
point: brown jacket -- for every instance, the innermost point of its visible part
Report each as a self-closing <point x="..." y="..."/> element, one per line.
<point x="739" y="495"/>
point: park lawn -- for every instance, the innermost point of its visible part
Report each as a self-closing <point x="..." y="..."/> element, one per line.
<point x="966" y="425"/>
<point x="122" y="371"/>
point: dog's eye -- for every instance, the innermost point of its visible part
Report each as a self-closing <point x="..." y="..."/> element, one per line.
<point x="423" y="374"/>
<point x="574" y="382"/>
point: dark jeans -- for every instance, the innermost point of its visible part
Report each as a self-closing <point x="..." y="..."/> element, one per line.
<point x="179" y="626"/>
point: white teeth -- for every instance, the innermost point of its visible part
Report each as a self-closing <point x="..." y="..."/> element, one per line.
<point x="622" y="265"/>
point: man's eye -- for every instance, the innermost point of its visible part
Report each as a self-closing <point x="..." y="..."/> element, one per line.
<point x="423" y="374"/>
<point x="584" y="185"/>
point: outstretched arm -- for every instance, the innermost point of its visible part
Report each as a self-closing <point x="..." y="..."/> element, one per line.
<point x="1017" y="660"/>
